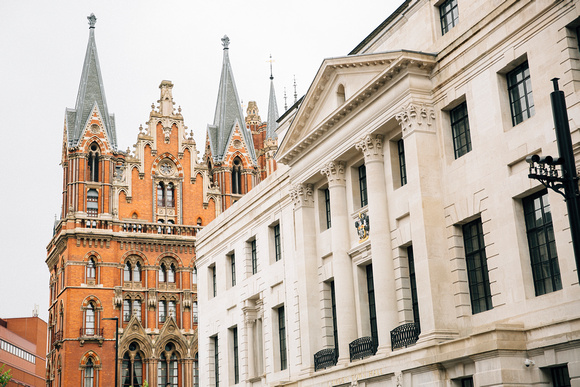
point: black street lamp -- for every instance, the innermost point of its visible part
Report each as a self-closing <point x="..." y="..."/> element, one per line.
<point x="116" y="347"/>
<point x="559" y="174"/>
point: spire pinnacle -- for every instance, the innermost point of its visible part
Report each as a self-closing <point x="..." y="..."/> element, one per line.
<point x="271" y="61"/>
<point x="92" y="20"/>
<point x="295" y="94"/>
<point x="285" y="99"/>
<point x="226" y="42"/>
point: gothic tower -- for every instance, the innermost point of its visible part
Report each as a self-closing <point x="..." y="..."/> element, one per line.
<point x="124" y="245"/>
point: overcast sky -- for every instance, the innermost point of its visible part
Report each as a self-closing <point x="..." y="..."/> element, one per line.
<point x="139" y="43"/>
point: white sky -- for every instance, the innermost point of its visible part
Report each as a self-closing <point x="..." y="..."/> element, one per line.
<point x="140" y="43"/>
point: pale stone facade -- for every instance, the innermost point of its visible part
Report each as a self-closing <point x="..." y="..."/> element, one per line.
<point x="453" y="253"/>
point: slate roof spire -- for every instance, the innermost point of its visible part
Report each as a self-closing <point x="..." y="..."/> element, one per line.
<point x="272" y="125"/>
<point x="228" y="111"/>
<point x="91" y="93"/>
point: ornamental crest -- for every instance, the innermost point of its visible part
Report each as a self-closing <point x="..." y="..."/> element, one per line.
<point x="362" y="225"/>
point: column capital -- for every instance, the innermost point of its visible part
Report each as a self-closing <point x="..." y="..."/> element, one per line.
<point x="416" y="116"/>
<point x="334" y="172"/>
<point x="371" y="146"/>
<point x="302" y="195"/>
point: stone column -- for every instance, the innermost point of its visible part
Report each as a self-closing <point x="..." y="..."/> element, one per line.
<point x="342" y="265"/>
<point x="380" y="235"/>
<point x="250" y="323"/>
<point x="307" y="274"/>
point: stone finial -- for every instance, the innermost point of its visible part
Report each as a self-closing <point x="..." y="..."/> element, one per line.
<point x="371" y="146"/>
<point x="334" y="172"/>
<point x="302" y="195"/>
<point x="92" y="20"/>
<point x="226" y="42"/>
<point x="416" y="117"/>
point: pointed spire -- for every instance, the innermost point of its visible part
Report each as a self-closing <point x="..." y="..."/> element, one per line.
<point x="228" y="111"/>
<point x="295" y="94"/>
<point x="285" y="100"/>
<point x="272" y="125"/>
<point x="91" y="92"/>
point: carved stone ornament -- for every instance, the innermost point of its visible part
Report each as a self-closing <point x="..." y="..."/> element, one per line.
<point x="118" y="299"/>
<point x="416" y="117"/>
<point x="334" y="171"/>
<point x="363" y="227"/>
<point x="95" y="128"/>
<point x="237" y="144"/>
<point x="167" y="133"/>
<point x="166" y="168"/>
<point x="152" y="299"/>
<point x="302" y="195"/>
<point x="371" y="146"/>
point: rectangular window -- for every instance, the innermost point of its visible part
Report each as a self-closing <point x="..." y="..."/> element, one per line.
<point x="542" y="245"/>
<point x="137" y="309"/>
<point x="282" y="337"/>
<point x="213" y="281"/>
<point x="467" y="382"/>
<point x="236" y="363"/>
<point x="233" y="269"/>
<point x="196" y="371"/>
<point x="172" y="310"/>
<point x="254" y="257"/>
<point x="460" y="129"/>
<point x="560" y="376"/>
<point x="362" y="183"/>
<point x="449" y="15"/>
<point x="402" y="163"/>
<point x="277" y="246"/>
<point x="162" y="312"/>
<point x="195" y="311"/>
<point x="520" y="92"/>
<point x="334" y="323"/>
<point x="413" y="283"/>
<point x="126" y="310"/>
<point x="477" y="273"/>
<point x="216" y="361"/>
<point x="372" y="308"/>
<point x="327" y="207"/>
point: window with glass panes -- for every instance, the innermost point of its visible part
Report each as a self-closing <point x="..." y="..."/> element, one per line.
<point x="327" y="207"/>
<point x="449" y="15"/>
<point x="362" y="183"/>
<point x="162" y="311"/>
<point x="460" y="129"/>
<point x="467" y="382"/>
<point x="413" y="283"/>
<point x="213" y="281"/>
<point x="233" y="268"/>
<point x="216" y="362"/>
<point x="277" y="246"/>
<point x="372" y="307"/>
<point x="196" y="371"/>
<point x="520" y="92"/>
<point x="477" y="273"/>
<point x="236" y="360"/>
<point x="282" y="338"/>
<point x="402" y="163"/>
<point x="254" y="256"/>
<point x="541" y="243"/>
<point x="334" y="323"/>
<point x="560" y="376"/>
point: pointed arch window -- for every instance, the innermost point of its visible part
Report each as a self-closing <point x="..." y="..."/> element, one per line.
<point x="172" y="309"/>
<point x="132" y="367"/>
<point x="167" y="368"/>
<point x="170" y="195"/>
<point x="93" y="162"/>
<point x="127" y="272"/>
<point x="91" y="269"/>
<point x="162" y="273"/>
<point x="171" y="273"/>
<point x="137" y="272"/>
<point x="161" y="194"/>
<point x="237" y="176"/>
<point x="89" y="379"/>
<point x="90" y="320"/>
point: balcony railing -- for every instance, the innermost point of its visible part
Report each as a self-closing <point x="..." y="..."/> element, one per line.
<point x="325" y="358"/>
<point x="362" y="347"/>
<point x="91" y="332"/>
<point x="160" y="228"/>
<point x="404" y="335"/>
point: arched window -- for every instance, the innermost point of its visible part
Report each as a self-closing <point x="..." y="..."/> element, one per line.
<point x="90" y="320"/>
<point x="170" y="195"/>
<point x="162" y="273"/>
<point x="199" y="221"/>
<point x="137" y="272"/>
<point x="132" y="367"/>
<point x="340" y="96"/>
<point x="91" y="269"/>
<point x="89" y="374"/>
<point x="237" y="176"/>
<point x="127" y="272"/>
<point x="126" y="310"/>
<point x="161" y="195"/>
<point x="194" y="277"/>
<point x="172" y="310"/>
<point x="92" y="202"/>
<point x="162" y="311"/>
<point x="93" y="162"/>
<point x="137" y="309"/>
<point x="167" y="368"/>
<point x="171" y="273"/>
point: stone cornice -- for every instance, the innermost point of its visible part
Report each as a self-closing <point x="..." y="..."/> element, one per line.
<point x="395" y="62"/>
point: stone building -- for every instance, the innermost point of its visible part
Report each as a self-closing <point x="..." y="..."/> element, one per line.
<point x="401" y="242"/>
<point x="124" y="247"/>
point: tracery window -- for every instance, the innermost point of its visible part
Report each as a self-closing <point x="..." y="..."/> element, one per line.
<point x="237" y="176"/>
<point x="93" y="162"/>
<point x="132" y="367"/>
<point x="131" y="308"/>
<point x="165" y="195"/>
<point x="167" y="367"/>
<point x="89" y="379"/>
<point x="127" y="272"/>
<point x="91" y="269"/>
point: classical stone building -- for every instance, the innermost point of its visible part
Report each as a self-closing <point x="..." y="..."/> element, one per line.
<point x="124" y="245"/>
<point x="402" y="242"/>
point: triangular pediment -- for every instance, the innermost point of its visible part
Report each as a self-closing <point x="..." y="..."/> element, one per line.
<point x="341" y="86"/>
<point x="134" y="331"/>
<point x="94" y="127"/>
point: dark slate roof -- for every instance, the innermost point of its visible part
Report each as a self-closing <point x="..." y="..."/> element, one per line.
<point x="91" y="92"/>
<point x="272" y="113"/>
<point x="228" y="111"/>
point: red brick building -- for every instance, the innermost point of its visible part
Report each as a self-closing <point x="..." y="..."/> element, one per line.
<point x="124" y="245"/>
<point x="23" y="350"/>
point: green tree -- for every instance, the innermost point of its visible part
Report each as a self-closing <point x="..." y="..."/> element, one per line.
<point x="5" y="376"/>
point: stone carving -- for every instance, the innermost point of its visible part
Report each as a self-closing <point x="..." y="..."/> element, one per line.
<point x="118" y="299"/>
<point x="165" y="168"/>
<point x="187" y="299"/>
<point x="152" y="299"/>
<point x="371" y="146"/>
<point x="167" y="133"/>
<point x="363" y="227"/>
<point x="413" y="117"/>
<point x="334" y="171"/>
<point x="399" y="380"/>
<point x="226" y="42"/>
<point x="302" y="195"/>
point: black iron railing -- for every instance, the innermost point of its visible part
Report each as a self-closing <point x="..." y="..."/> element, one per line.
<point x="362" y="347"/>
<point x="404" y="335"/>
<point x="325" y="358"/>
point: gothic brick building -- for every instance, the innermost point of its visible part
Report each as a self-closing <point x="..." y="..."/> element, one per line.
<point x="124" y="245"/>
